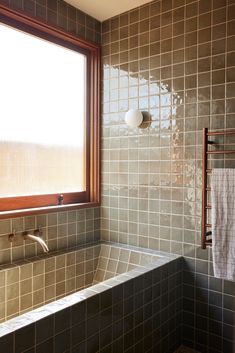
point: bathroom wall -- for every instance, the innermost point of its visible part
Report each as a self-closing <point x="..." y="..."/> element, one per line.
<point x="61" y="14"/>
<point x="63" y="229"/>
<point x="176" y="60"/>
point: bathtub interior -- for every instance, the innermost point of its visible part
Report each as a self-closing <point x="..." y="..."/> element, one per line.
<point x="30" y="284"/>
<point x="114" y="260"/>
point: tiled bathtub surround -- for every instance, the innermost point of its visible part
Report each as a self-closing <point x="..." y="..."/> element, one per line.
<point x="176" y="60"/>
<point x="137" y="311"/>
<point x="114" y="260"/>
<point x="34" y="282"/>
<point x="62" y="230"/>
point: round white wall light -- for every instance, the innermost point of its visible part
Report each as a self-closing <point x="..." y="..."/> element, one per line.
<point x="134" y="118"/>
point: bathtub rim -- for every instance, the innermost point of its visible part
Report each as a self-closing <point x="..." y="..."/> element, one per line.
<point x="32" y="316"/>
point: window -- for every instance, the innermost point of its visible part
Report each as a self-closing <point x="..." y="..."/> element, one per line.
<point x="49" y="136"/>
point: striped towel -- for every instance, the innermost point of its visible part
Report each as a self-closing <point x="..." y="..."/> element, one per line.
<point x="223" y="222"/>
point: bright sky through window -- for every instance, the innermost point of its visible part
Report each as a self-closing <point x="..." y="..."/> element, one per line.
<point x="42" y="90"/>
<point x="42" y="115"/>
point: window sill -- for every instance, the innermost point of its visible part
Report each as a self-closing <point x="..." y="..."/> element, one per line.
<point x="47" y="209"/>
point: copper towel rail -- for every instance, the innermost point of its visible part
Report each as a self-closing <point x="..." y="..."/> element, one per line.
<point x="205" y="170"/>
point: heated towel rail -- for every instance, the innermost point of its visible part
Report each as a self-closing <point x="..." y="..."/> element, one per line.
<point x="206" y="241"/>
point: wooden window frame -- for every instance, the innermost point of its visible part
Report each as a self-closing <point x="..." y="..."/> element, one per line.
<point x="36" y="204"/>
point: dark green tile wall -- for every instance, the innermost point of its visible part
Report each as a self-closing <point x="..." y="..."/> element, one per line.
<point x="61" y="14"/>
<point x="176" y="60"/>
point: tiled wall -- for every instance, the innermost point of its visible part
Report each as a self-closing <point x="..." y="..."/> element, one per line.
<point x="61" y="14"/>
<point x="176" y="60"/>
<point x="63" y="229"/>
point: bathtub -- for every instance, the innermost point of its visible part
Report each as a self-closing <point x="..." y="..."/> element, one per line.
<point x="101" y="298"/>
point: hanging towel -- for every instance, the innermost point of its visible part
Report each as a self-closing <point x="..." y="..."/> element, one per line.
<point x="223" y="222"/>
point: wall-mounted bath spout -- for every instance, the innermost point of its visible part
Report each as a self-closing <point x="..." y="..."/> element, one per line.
<point x="36" y="238"/>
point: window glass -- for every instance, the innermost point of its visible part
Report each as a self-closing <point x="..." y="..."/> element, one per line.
<point x="42" y="114"/>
